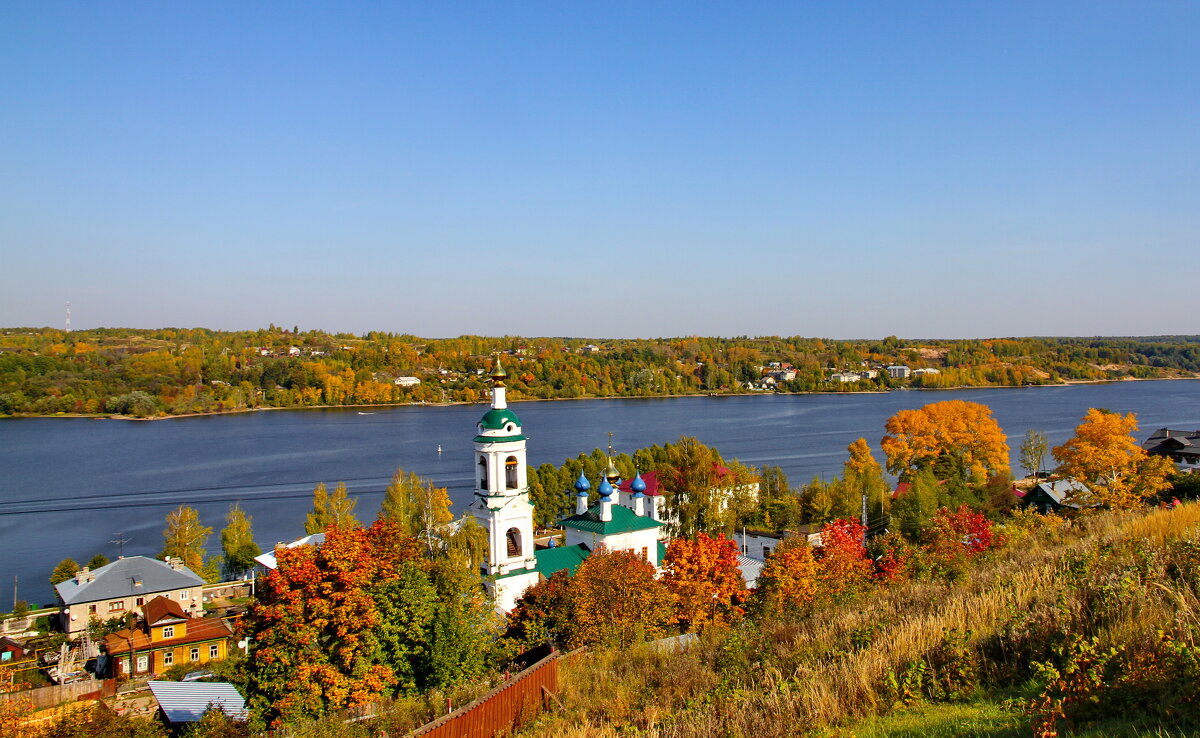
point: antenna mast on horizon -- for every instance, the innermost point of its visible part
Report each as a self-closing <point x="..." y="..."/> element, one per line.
<point x="68" y="317"/>
<point x="120" y="540"/>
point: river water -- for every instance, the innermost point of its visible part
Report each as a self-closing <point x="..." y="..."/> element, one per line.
<point x="69" y="486"/>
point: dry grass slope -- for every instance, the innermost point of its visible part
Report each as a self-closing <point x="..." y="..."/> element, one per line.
<point x="839" y="665"/>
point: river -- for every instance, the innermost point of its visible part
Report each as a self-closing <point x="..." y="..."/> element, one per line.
<point x="70" y="486"/>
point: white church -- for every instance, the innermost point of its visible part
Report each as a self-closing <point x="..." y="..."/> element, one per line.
<point x="631" y="521"/>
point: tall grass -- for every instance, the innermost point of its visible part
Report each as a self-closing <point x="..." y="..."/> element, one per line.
<point x="766" y="679"/>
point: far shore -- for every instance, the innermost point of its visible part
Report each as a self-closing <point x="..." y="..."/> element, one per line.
<point x="361" y="408"/>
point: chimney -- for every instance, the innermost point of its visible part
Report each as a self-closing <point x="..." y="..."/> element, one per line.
<point x="83" y="576"/>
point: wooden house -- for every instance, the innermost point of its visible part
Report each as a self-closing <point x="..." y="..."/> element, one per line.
<point x="165" y="637"/>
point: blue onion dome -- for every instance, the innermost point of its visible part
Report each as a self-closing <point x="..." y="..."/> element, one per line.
<point x="605" y="489"/>
<point x="638" y="485"/>
<point x="582" y="485"/>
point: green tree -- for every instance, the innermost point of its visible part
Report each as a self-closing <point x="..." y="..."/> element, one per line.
<point x="689" y="479"/>
<point x="318" y="520"/>
<point x="341" y="507"/>
<point x="237" y="543"/>
<point x="1033" y="451"/>
<point x="419" y="507"/>
<point x="184" y="538"/>
<point x="97" y="561"/>
<point x="913" y="511"/>
<point x="64" y="571"/>
<point x="864" y="478"/>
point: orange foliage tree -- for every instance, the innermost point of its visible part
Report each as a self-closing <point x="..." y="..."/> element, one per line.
<point x="313" y="622"/>
<point x="1104" y="454"/>
<point x="963" y="435"/>
<point x="703" y="577"/>
<point x="843" y="565"/>
<point x="612" y="599"/>
<point x="788" y="582"/>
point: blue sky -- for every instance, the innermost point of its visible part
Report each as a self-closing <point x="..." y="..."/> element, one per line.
<point x="603" y="169"/>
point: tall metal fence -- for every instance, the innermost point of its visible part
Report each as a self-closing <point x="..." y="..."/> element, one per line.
<point x="504" y="708"/>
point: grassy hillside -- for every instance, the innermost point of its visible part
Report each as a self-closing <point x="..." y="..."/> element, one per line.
<point x="1086" y="627"/>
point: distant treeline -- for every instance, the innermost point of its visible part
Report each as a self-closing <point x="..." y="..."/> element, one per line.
<point x="178" y="371"/>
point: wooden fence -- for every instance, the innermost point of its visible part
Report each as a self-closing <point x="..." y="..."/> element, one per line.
<point x="42" y="697"/>
<point x="505" y="707"/>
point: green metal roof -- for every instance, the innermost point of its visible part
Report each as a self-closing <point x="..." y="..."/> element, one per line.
<point x="496" y="419"/>
<point x="623" y="521"/>
<point x="498" y="439"/>
<point x="551" y="560"/>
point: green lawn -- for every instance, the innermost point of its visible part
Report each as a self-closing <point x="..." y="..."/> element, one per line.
<point x="982" y="718"/>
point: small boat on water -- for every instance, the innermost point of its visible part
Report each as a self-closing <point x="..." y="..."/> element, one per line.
<point x="362" y="413"/>
<point x="439" y="449"/>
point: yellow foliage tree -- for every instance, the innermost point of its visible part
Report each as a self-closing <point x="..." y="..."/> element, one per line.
<point x="1104" y="454"/>
<point x="788" y="582"/>
<point x="961" y="434"/>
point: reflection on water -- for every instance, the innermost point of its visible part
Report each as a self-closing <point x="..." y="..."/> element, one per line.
<point x="68" y="485"/>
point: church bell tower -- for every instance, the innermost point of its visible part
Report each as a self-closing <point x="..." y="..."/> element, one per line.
<point x="501" y="493"/>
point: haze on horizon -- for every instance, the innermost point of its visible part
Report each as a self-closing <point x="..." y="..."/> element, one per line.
<point x="603" y="170"/>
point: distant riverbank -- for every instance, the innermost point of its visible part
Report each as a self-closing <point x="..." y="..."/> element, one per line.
<point x="239" y="411"/>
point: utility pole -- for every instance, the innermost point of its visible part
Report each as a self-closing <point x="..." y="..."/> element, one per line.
<point x="864" y="517"/>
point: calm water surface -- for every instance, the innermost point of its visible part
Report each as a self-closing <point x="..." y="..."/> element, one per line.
<point x="68" y="486"/>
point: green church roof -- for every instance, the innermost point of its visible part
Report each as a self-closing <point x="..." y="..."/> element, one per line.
<point x="496" y="419"/>
<point x="553" y="560"/>
<point x="623" y="521"/>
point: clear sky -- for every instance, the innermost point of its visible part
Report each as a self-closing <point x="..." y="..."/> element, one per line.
<point x="841" y="169"/>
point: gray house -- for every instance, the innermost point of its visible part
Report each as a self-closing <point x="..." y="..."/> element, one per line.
<point x="124" y="586"/>
<point x="1053" y="496"/>
<point x="1180" y="446"/>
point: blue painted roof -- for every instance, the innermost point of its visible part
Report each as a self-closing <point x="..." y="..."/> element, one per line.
<point x="582" y="484"/>
<point x="638" y="485"/>
<point x="605" y="489"/>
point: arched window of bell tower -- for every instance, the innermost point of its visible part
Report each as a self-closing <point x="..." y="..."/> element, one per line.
<point x="510" y="472"/>
<point x="513" y="536"/>
<point x="483" y="472"/>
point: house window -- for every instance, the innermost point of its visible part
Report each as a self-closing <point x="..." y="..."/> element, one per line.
<point x="166" y="595"/>
<point x="117" y="606"/>
<point x="483" y="483"/>
<point x="140" y="601"/>
<point x="142" y="664"/>
<point x="183" y="595"/>
<point x="168" y="658"/>
<point x="766" y="551"/>
<point x="195" y="654"/>
<point x="646" y="553"/>
<point x="91" y="609"/>
<point x="169" y="631"/>
<point x="214" y="651"/>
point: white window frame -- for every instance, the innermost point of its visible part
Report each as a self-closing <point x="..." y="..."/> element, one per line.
<point x="194" y="654"/>
<point x="168" y="631"/>
<point x="142" y="664"/>
<point x="214" y="651"/>
<point x="169" y="658"/>
<point x="184" y="594"/>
